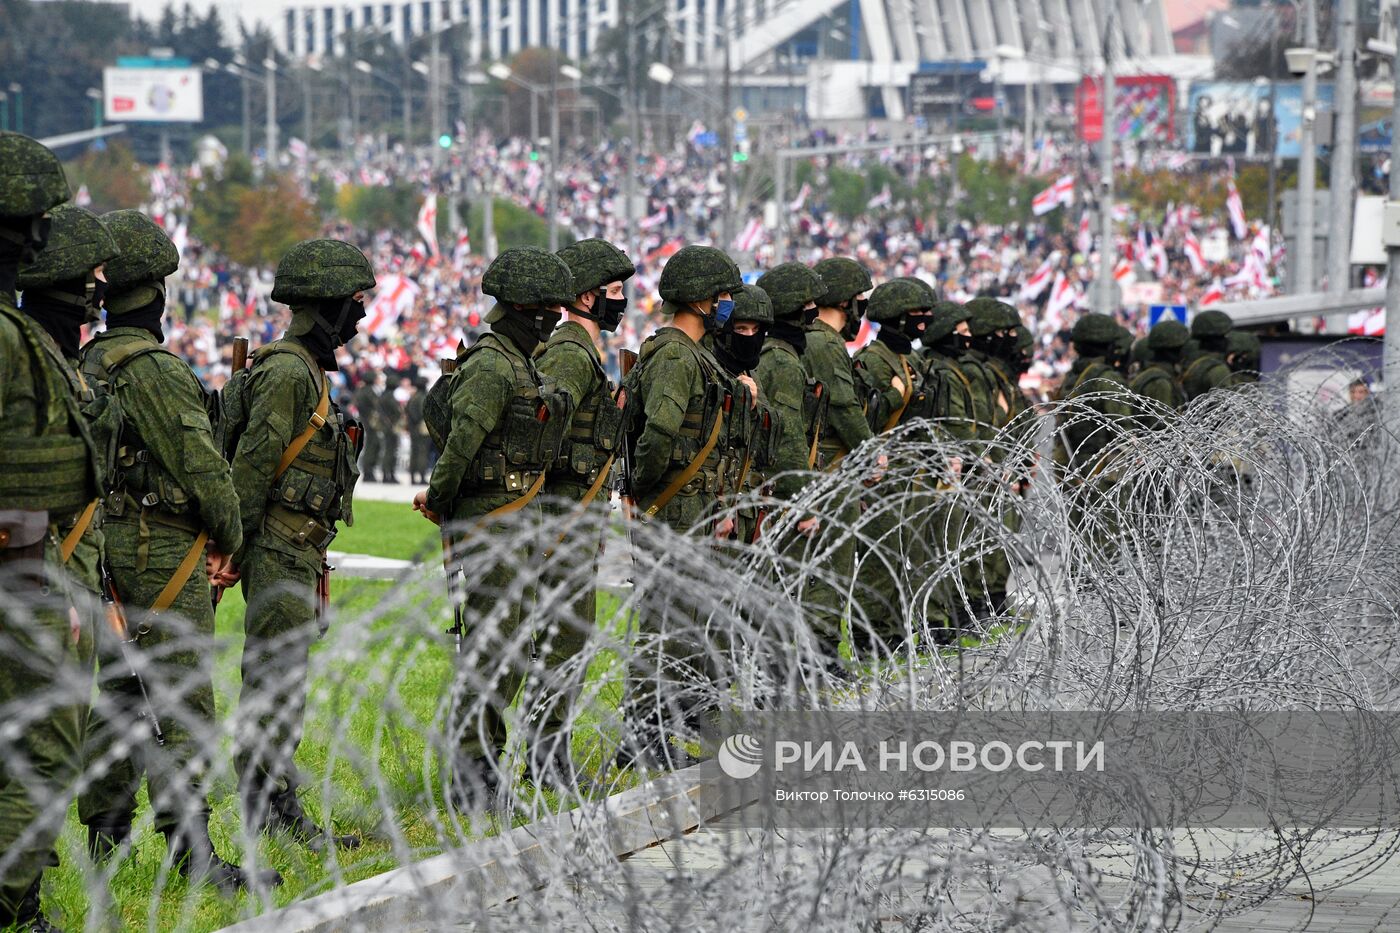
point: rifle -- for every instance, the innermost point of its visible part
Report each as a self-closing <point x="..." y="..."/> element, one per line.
<point x="239" y="363"/>
<point x="323" y="596"/>
<point x="116" y="621"/>
<point x="627" y="361"/>
<point x="449" y="562"/>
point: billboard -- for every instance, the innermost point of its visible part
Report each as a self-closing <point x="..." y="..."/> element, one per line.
<point x="153" y="94"/>
<point x="1144" y="108"/>
<point x="1235" y="118"/>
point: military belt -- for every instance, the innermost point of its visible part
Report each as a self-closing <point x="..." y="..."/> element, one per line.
<point x="297" y="527"/>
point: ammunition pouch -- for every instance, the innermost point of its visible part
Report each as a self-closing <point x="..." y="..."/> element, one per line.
<point x="297" y="528"/>
<point x="322" y="477"/>
<point x="49" y="473"/>
<point x="141" y="477"/>
<point x="595" y="434"/>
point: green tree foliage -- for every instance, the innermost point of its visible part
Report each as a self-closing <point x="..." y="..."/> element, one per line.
<point x="271" y="219"/>
<point x="515" y="226"/>
<point x="379" y="207"/>
<point x="113" y="176"/>
<point x="647" y="38"/>
<point x="997" y="192"/>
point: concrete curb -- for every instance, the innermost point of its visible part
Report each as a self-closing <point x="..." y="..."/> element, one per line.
<point x="441" y="889"/>
<point x="368" y="567"/>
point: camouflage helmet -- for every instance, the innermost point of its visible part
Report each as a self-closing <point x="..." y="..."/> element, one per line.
<point x="145" y="253"/>
<point x="321" y="268"/>
<point x="1123" y="343"/>
<point x="1211" y="323"/>
<point x="31" y="177"/>
<point x="595" y="263"/>
<point x="988" y="315"/>
<point x="751" y="303"/>
<point x="1170" y="334"/>
<point x="1245" y="347"/>
<point x="698" y="273"/>
<point x="1140" y="352"/>
<point x="78" y="243"/>
<point x="1095" y="329"/>
<point x="844" y="279"/>
<point x="529" y="276"/>
<point x="929" y="291"/>
<point x="947" y="315"/>
<point x="893" y="299"/>
<point x="791" y="287"/>
<point x="1025" y="341"/>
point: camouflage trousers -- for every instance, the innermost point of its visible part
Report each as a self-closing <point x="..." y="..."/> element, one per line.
<point x="829" y="592"/>
<point x="279" y="582"/>
<point x="41" y="764"/>
<point x="501" y="654"/>
<point x="174" y="652"/>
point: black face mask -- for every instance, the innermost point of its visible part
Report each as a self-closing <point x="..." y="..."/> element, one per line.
<point x="861" y="305"/>
<point x="1214" y="344"/>
<point x="738" y="353"/>
<point x="809" y="316"/>
<point x="613" y="310"/>
<point x="914" y="325"/>
<point x="526" y="328"/>
<point x="545" y="320"/>
<point x="147" y="318"/>
<point x="96" y="292"/>
<point x="61" y="311"/>
<point x="791" y="333"/>
<point x="892" y="335"/>
<point x="850" y="329"/>
<point x="343" y="315"/>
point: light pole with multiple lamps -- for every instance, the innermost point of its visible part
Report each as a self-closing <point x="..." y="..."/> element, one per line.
<point x="502" y="72"/>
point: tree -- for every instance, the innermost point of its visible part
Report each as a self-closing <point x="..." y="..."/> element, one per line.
<point x="113" y="176"/>
<point x="379" y="207"/>
<point x="271" y="219"/>
<point x="515" y="226"/>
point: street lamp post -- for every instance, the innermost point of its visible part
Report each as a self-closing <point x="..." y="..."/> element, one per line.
<point x="17" y="91"/>
<point x="236" y="68"/>
<point x="502" y="72"/>
<point x="270" y="128"/>
<point x="1106" y="245"/>
<point x="1306" y="281"/>
<point x="365" y="67"/>
<point x="95" y="95"/>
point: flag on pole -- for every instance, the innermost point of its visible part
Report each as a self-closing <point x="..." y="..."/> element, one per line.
<point x="1123" y="270"/>
<point x="1042" y="277"/>
<point x="1192" y="247"/>
<point x="750" y="237"/>
<point x="1061" y="192"/>
<point x="1235" y="204"/>
<point x="1212" y="297"/>
<point x="1084" y="241"/>
<point x="394" y="295"/>
<point x="1062" y="296"/>
<point x="801" y="198"/>
<point x="654" y="220"/>
<point x="463" y="249"/>
<point x="882" y="199"/>
<point x="427" y="222"/>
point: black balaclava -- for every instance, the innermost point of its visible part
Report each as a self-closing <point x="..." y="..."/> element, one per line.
<point x="321" y="347"/>
<point x="855" y="310"/>
<point x="21" y="239"/>
<point x="610" y="315"/>
<point x="892" y="334"/>
<point x="527" y="328"/>
<point x="739" y="353"/>
<point x="343" y="315"/>
<point x="147" y="317"/>
<point x="61" y="309"/>
<point x="1214" y="344"/>
<point x="791" y="332"/>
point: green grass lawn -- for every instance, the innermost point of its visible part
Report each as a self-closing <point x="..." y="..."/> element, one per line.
<point x="382" y="704"/>
<point x="388" y="529"/>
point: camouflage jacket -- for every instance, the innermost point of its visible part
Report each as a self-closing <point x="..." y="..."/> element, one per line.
<point x="881" y="366"/>
<point x="827" y="361"/>
<point x="951" y="390"/>
<point x="47" y="461"/>
<point x="1081" y="439"/>
<point x="1157" y="381"/>
<point x="1202" y="373"/>
<point x="782" y="380"/>
<point x="571" y="363"/>
<point x="165" y="423"/>
<point x="678" y="388"/>
<point x="284" y="389"/>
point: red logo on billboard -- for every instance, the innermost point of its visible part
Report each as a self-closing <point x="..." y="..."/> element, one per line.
<point x="123" y="104"/>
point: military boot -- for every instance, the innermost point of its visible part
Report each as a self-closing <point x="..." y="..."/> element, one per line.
<point x="194" y="857"/>
<point x="287" y="816"/>
<point x="473" y="784"/>
<point x="106" y="837"/>
<point x="29" y="916"/>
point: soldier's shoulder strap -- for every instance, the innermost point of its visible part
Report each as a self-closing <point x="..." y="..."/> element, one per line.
<point x="774" y="345"/>
<point x="269" y="350"/>
<point x="111" y="360"/>
<point x="579" y="338"/>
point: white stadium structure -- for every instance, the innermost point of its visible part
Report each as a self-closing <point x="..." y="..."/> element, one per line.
<point x="834" y="59"/>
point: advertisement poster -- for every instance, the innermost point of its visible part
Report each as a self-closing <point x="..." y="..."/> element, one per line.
<point x="153" y="95"/>
<point x="1143" y="108"/>
<point x="1236" y="118"/>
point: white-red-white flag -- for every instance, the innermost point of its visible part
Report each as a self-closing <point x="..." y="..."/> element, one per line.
<point x="1041" y="278"/>
<point x="1123" y="269"/>
<point x="1084" y="240"/>
<point x="394" y="296"/>
<point x="801" y="200"/>
<point x="1159" y="259"/>
<point x="882" y="199"/>
<point x="463" y="249"/>
<point x="1061" y="192"/>
<point x="750" y="236"/>
<point x="427" y="222"/>
<point x="1212" y="297"/>
<point x="654" y="220"/>
<point x="82" y="198"/>
<point x="1192" y="247"/>
<point x="1235" y="205"/>
<point x="1062" y="296"/>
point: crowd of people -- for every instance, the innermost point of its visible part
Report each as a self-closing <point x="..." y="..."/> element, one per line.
<point x="430" y="301"/>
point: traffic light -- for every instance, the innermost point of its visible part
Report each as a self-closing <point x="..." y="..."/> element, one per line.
<point x="741" y="156"/>
<point x="534" y="155"/>
<point x="445" y="140"/>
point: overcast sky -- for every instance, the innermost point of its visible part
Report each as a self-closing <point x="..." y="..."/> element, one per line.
<point x="252" y="11"/>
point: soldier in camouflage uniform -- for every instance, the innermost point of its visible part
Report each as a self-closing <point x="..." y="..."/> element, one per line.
<point x="793" y="289"/>
<point x="1242" y="356"/>
<point x="48" y="475"/>
<point x="503" y="432"/>
<point x="171" y="495"/>
<point x="680" y="459"/>
<point x="904" y="309"/>
<point x="294" y="467"/>
<point x="580" y="479"/>
<point x="419" y="447"/>
<point x="753" y="426"/>
<point x="391" y="428"/>
<point x="371" y="416"/>
<point x="1204" y="367"/>
<point x="1158" y="379"/>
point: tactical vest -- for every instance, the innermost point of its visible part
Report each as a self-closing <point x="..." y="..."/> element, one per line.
<point x="1193" y="378"/>
<point x="595" y="431"/>
<point x="320" y="480"/>
<point x="526" y="439"/>
<point x="877" y="410"/>
<point x="135" y="476"/>
<point x="1153" y="375"/>
<point x="718" y="401"/>
<point x="46" y="464"/>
